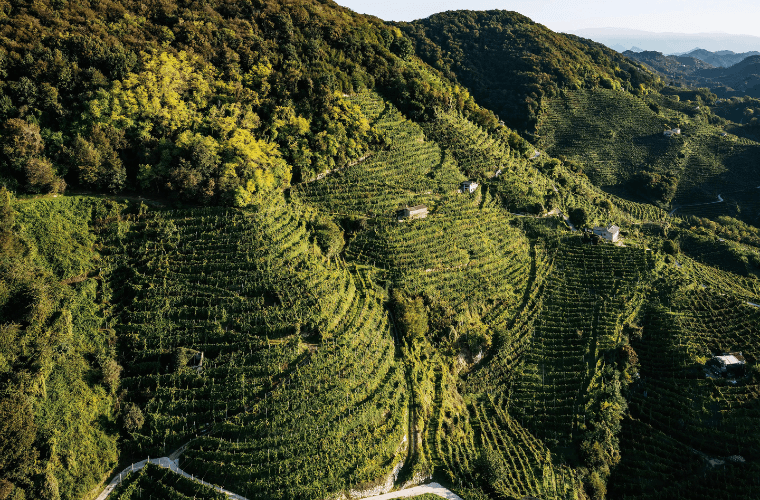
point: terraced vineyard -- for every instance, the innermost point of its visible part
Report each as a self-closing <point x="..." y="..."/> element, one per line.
<point x="704" y="429"/>
<point x="461" y="253"/>
<point x="482" y="156"/>
<point x="153" y="481"/>
<point x="616" y="136"/>
<point x="298" y="358"/>
<point x="313" y="383"/>
<point x="612" y="133"/>
<point x="408" y="170"/>
<point x="567" y="352"/>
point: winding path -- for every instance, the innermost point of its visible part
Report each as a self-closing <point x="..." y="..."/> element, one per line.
<point x="170" y="463"/>
<point x="720" y="200"/>
<point x="432" y="488"/>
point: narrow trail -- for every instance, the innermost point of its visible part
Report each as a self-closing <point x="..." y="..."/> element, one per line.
<point x="720" y="200"/>
<point x="171" y="463"/>
<point x="432" y="488"/>
<point x="165" y="462"/>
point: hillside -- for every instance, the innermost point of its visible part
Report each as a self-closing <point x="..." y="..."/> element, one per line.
<point x="721" y="58"/>
<point x="329" y="330"/>
<point x="736" y="80"/>
<point x="681" y="69"/>
<point x="197" y="104"/>
<point x="511" y="64"/>
<point x="236" y="289"/>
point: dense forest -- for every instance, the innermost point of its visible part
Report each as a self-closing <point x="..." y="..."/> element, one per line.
<point x="202" y="102"/>
<point x="512" y="64"/>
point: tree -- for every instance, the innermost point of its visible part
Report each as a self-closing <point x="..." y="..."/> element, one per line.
<point x="21" y="148"/>
<point x="329" y="237"/>
<point x="578" y="216"/>
<point x="403" y="48"/>
<point x="17" y="435"/>
<point x="111" y="374"/>
<point x="133" y="418"/>
<point x="412" y="316"/>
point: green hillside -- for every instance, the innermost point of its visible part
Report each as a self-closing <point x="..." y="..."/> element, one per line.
<point x="511" y="64"/>
<point x="618" y="139"/>
<point x="236" y="286"/>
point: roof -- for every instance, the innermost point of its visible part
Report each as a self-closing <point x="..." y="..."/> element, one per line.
<point x="469" y="182"/>
<point x="731" y="359"/>
<point x="415" y="208"/>
<point x="613" y="228"/>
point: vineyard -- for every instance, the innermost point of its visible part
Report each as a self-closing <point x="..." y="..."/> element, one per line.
<point x="612" y="133"/>
<point x="568" y="346"/>
<point x="462" y="253"/>
<point x="155" y="482"/>
<point x="695" y="436"/>
<point x="298" y="356"/>
<point x="406" y="170"/>
<point x="616" y="136"/>
<point x="312" y="345"/>
<point x="304" y="263"/>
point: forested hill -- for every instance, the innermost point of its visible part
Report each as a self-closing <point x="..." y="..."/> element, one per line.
<point x="207" y="102"/>
<point x="510" y="63"/>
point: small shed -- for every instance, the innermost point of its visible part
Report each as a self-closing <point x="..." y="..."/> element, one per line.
<point x="469" y="186"/>
<point x="416" y="212"/>
<point x="672" y="132"/>
<point x="728" y="364"/>
<point x="611" y="232"/>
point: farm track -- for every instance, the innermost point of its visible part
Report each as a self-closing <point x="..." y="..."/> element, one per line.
<point x="166" y="462"/>
<point x="171" y="463"/>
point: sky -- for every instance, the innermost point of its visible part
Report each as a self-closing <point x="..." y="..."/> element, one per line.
<point x="741" y="17"/>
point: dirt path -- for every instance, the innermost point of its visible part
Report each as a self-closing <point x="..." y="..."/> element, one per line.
<point x="720" y="200"/>
<point x="431" y="488"/>
<point x="169" y="464"/>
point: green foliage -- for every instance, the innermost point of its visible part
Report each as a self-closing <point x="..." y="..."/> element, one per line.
<point x="21" y="159"/>
<point x="208" y="104"/>
<point x="328" y="236"/>
<point x="133" y="418"/>
<point x="155" y="480"/>
<point x="298" y="362"/>
<point x="55" y="413"/>
<point x="412" y="317"/>
<point x="578" y="216"/>
<point x="527" y="62"/>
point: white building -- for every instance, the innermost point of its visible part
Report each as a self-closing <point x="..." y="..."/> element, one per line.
<point x="672" y="132"/>
<point x="469" y="186"/>
<point x="611" y="233"/>
<point x="731" y="363"/>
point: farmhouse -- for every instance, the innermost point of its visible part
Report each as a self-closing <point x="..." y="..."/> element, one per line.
<point x="672" y="132"/>
<point x="728" y="364"/>
<point x="416" y="212"/>
<point x="469" y="186"/>
<point x="611" y="233"/>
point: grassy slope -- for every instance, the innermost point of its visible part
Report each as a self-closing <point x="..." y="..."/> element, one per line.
<point x="616" y="136"/>
<point x="56" y="343"/>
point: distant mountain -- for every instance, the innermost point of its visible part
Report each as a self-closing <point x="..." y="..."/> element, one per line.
<point x="724" y="58"/>
<point x="511" y="64"/>
<point x="740" y="79"/>
<point x="678" y="68"/>
<point x="670" y="43"/>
